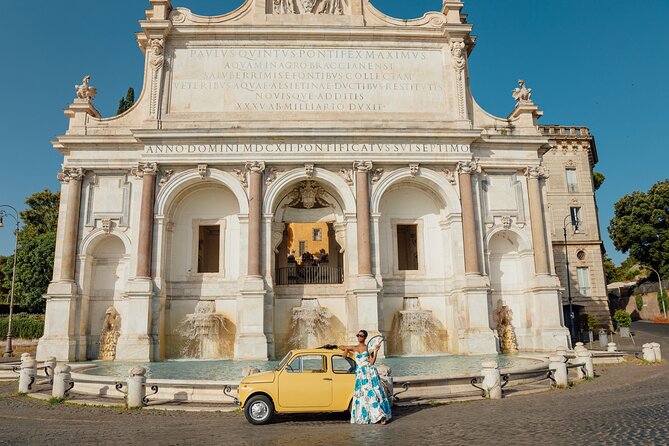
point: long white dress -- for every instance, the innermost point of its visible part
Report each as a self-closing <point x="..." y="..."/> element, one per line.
<point x="370" y="402"/>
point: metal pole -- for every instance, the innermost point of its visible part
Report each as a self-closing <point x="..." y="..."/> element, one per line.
<point x="572" y="328"/>
<point x="8" y="348"/>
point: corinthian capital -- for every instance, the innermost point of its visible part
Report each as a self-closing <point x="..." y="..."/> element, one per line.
<point x="362" y="166"/>
<point x="469" y="167"/>
<point x="255" y="166"/>
<point x="68" y="174"/>
<point x="144" y="169"/>
<point x="536" y="173"/>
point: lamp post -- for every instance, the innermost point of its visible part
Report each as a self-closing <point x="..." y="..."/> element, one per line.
<point x="8" y="348"/>
<point x="659" y="281"/>
<point x="574" y="224"/>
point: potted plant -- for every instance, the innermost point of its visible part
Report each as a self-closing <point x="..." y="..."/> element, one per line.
<point x="588" y="324"/>
<point x="624" y="321"/>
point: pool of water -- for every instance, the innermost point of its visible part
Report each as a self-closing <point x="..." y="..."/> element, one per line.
<point x="232" y="370"/>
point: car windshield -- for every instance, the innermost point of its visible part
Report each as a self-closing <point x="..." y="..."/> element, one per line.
<point x="284" y="360"/>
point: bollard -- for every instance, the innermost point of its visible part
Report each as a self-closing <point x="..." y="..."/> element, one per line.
<point x="136" y="387"/>
<point x="491" y="379"/>
<point x="612" y="347"/>
<point x="62" y="378"/>
<point x="603" y="338"/>
<point x="50" y="365"/>
<point x="585" y="357"/>
<point x="656" y="349"/>
<point x="648" y="353"/>
<point x="27" y="375"/>
<point x="560" y="374"/>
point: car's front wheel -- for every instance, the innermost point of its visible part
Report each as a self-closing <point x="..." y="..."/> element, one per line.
<point x="259" y="409"/>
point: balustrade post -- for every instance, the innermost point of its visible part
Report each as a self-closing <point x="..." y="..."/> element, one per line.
<point x="560" y="371"/>
<point x="656" y="350"/>
<point x="27" y="375"/>
<point x="61" y="381"/>
<point x="648" y="353"/>
<point x="136" y="387"/>
<point x="492" y="379"/>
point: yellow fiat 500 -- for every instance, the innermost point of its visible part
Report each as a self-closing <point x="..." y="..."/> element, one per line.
<point x="314" y="380"/>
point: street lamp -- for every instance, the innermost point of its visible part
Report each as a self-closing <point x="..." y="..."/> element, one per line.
<point x="575" y="224"/>
<point x="659" y="281"/>
<point x="8" y="348"/>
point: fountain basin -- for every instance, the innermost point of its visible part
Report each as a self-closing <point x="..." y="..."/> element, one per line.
<point x="205" y="381"/>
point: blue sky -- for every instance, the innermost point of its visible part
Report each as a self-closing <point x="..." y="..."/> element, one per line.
<point x="598" y="63"/>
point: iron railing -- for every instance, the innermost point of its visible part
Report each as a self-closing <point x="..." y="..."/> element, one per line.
<point x="308" y="275"/>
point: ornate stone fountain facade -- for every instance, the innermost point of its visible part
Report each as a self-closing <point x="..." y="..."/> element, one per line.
<point x="371" y="134"/>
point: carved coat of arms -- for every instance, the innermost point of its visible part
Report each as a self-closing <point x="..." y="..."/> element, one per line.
<point x="308" y="195"/>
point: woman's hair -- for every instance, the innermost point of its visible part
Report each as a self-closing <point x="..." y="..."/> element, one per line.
<point x="364" y="332"/>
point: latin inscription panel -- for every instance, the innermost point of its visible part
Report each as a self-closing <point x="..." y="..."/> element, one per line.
<point x="302" y="80"/>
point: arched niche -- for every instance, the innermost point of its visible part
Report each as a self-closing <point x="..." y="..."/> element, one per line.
<point x="106" y="273"/>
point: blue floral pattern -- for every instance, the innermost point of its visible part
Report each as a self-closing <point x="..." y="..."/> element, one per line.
<point x="370" y="402"/>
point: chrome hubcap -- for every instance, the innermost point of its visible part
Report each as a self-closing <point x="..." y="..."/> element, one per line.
<point x="259" y="410"/>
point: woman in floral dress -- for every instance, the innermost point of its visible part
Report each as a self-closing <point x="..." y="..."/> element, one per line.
<point x="370" y="403"/>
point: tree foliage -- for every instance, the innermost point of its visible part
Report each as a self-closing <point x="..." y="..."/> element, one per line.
<point x="126" y="102"/>
<point x="598" y="179"/>
<point x="640" y="226"/>
<point x="611" y="271"/>
<point x="35" y="253"/>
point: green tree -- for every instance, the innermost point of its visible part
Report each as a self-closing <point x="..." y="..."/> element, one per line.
<point x="4" y="291"/>
<point x="640" y="226"/>
<point x="35" y="253"/>
<point x="126" y="102"/>
<point x="611" y="271"/>
<point x="598" y="179"/>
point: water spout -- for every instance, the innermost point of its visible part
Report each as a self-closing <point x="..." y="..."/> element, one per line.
<point x="203" y="332"/>
<point x="310" y="325"/>
<point x="416" y="331"/>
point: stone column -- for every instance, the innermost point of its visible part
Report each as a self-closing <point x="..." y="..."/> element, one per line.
<point x="135" y="342"/>
<point x="148" y="174"/>
<point x="59" y="338"/>
<point x="541" y="262"/>
<point x="251" y="343"/>
<point x="363" y="217"/>
<point x="73" y="178"/>
<point x="256" y="170"/>
<point x="465" y="171"/>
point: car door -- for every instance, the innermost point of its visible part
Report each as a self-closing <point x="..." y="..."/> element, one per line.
<point x="306" y="384"/>
<point x="343" y="384"/>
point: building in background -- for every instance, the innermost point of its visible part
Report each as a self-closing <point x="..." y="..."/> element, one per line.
<point x="571" y="198"/>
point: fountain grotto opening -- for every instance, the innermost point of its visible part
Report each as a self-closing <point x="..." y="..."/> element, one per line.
<point x="202" y="253"/>
<point x="415" y="265"/>
<point x="308" y="237"/>
<point x="104" y="283"/>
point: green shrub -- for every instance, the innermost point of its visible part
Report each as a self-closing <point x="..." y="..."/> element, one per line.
<point x="622" y="318"/>
<point x="639" y="301"/>
<point x="663" y="300"/>
<point x="24" y="326"/>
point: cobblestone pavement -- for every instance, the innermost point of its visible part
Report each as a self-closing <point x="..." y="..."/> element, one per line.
<point x="627" y="405"/>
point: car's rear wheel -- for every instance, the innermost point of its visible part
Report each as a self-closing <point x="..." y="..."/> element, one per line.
<point x="259" y="409"/>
